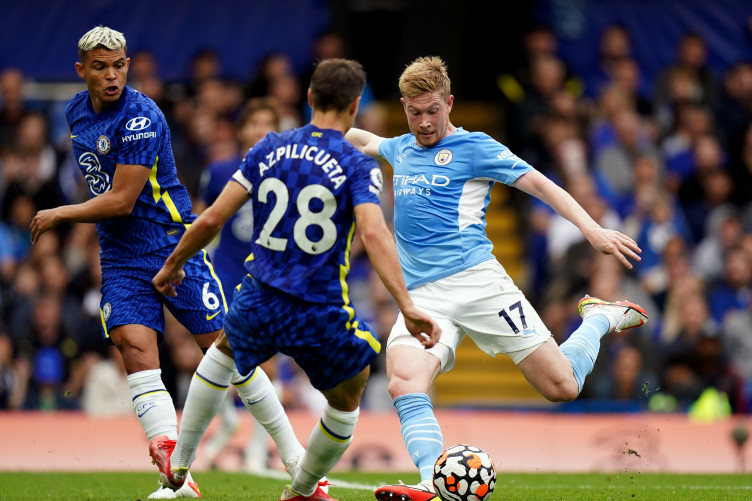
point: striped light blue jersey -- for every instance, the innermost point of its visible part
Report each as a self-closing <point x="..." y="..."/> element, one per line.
<point x="440" y="198"/>
<point x="305" y="184"/>
<point x="133" y="131"/>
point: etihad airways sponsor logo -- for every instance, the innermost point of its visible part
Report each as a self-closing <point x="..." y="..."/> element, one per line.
<point x="418" y="184"/>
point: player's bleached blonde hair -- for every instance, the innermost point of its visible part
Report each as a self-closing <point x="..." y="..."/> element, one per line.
<point x="423" y="75"/>
<point x="100" y="37"/>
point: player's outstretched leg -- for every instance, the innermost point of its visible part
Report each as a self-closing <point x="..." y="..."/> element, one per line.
<point x="622" y="315"/>
<point x="260" y="398"/>
<point x="423" y="439"/>
<point x="598" y="319"/>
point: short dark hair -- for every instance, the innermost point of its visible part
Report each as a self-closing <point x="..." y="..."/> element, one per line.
<point x="257" y="104"/>
<point x="336" y="83"/>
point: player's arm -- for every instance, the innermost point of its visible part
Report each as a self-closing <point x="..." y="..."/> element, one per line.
<point x="604" y="240"/>
<point x="198" y="235"/>
<point x="364" y="141"/>
<point x="118" y="201"/>
<point x="382" y="252"/>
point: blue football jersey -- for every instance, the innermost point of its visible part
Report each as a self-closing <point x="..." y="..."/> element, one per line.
<point x="133" y="131"/>
<point x="235" y="238"/>
<point x="440" y="198"/>
<point x="304" y="185"/>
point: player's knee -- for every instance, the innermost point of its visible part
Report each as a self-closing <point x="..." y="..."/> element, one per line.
<point x="564" y="391"/>
<point x="399" y="386"/>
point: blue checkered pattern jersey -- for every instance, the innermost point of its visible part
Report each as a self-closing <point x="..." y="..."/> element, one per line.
<point x="304" y="185"/>
<point x="132" y="132"/>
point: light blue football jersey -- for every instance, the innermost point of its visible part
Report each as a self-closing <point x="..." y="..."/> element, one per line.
<point x="440" y="198"/>
<point x="133" y="131"/>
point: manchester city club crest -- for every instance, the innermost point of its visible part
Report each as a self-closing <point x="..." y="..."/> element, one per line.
<point x="443" y="157"/>
<point x="106" y="310"/>
<point x="103" y="145"/>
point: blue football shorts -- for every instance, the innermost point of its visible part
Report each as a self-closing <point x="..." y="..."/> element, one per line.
<point x="329" y="342"/>
<point x="128" y="296"/>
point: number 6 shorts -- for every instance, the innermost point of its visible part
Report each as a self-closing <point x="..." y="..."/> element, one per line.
<point x="128" y="296"/>
<point x="482" y="302"/>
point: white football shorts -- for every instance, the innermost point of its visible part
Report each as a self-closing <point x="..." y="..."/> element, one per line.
<point x="482" y="302"/>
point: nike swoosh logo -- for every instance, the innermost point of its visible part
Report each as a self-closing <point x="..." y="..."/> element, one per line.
<point x="194" y="486"/>
<point x="72" y="136"/>
<point x="209" y="317"/>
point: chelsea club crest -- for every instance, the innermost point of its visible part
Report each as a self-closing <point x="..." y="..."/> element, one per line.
<point x="103" y="145"/>
<point x="106" y="310"/>
<point x="443" y="157"/>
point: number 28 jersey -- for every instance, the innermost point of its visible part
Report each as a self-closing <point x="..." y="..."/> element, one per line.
<point x="304" y="184"/>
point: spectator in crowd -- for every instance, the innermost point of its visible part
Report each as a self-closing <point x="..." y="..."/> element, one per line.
<point x="13" y="106"/>
<point x="14" y="375"/>
<point x="614" y="44"/>
<point x="732" y="291"/>
<point x="736" y="341"/>
<point x="613" y="165"/>
<point x="692" y="121"/>
<point x="692" y="60"/>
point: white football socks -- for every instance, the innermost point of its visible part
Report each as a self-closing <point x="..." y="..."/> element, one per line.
<point x="328" y="441"/>
<point x="260" y="398"/>
<point x="152" y="404"/>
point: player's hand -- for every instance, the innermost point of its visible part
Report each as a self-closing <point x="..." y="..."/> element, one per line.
<point x="166" y="280"/>
<point x="44" y="220"/>
<point x="617" y="244"/>
<point x="421" y="326"/>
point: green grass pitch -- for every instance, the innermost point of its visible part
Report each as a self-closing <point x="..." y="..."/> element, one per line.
<point x="355" y="486"/>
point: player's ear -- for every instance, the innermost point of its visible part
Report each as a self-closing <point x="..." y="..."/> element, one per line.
<point x="80" y="70"/>
<point x="354" y="106"/>
<point x="310" y="100"/>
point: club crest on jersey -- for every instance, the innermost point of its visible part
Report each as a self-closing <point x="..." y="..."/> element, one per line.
<point x="443" y="157"/>
<point x="106" y="310"/>
<point x="103" y="145"/>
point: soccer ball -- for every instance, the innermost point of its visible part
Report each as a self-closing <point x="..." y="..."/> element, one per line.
<point x="464" y="473"/>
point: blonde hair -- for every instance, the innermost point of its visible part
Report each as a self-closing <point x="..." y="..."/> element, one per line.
<point x="100" y="37"/>
<point x="423" y="75"/>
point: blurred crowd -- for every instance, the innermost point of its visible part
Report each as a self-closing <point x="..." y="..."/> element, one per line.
<point x="667" y="160"/>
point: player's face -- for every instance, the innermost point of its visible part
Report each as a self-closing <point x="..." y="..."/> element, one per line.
<point x="428" y="117"/>
<point x="104" y="72"/>
<point x="258" y="125"/>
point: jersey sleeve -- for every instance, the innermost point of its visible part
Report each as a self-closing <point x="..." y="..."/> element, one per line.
<point x="367" y="182"/>
<point x="211" y="184"/>
<point x="141" y="134"/>
<point x="249" y="170"/>
<point x="495" y="161"/>
<point x="389" y="149"/>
